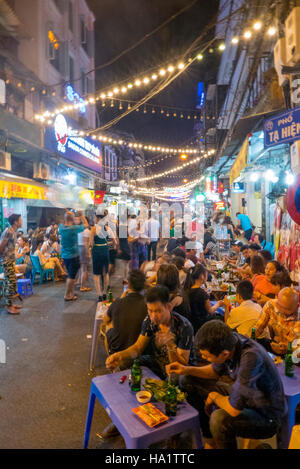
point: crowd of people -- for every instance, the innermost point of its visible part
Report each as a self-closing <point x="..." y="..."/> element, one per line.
<point x="168" y="317"/>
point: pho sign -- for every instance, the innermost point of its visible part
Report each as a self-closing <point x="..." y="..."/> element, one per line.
<point x="283" y="128"/>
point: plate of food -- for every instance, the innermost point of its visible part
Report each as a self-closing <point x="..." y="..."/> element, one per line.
<point x="150" y="414"/>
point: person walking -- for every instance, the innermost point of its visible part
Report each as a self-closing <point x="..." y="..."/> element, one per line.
<point x="100" y="254"/>
<point x="69" y="250"/>
<point x="8" y="261"/>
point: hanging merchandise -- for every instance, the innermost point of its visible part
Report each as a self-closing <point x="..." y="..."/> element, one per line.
<point x="293" y="200"/>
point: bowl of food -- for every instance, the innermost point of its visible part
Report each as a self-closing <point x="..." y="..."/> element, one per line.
<point x="143" y="396"/>
<point x="224" y="287"/>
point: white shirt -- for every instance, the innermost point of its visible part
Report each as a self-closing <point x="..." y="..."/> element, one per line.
<point x="244" y="317"/>
<point x="153" y="229"/>
<point x="83" y="237"/>
<point x="132" y="228"/>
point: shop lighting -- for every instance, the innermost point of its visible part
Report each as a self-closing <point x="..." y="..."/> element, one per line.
<point x="71" y="178"/>
<point x="289" y="179"/>
<point x="235" y="40"/>
<point x="247" y="34"/>
<point x="222" y="47"/>
<point x="254" y="177"/>
<point x="269" y="175"/>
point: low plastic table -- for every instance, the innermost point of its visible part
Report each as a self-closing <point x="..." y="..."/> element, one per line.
<point x="118" y="400"/>
<point x="291" y="388"/>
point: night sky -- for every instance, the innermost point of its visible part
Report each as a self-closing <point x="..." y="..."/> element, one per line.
<point x="121" y="23"/>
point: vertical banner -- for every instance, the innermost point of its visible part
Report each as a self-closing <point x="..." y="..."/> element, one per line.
<point x="99" y="197"/>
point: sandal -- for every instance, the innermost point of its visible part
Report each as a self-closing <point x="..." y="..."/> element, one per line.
<point x="74" y="298"/>
<point x="85" y="289"/>
<point x="12" y="310"/>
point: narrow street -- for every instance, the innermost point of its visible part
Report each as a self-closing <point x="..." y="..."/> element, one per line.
<point x="45" y="383"/>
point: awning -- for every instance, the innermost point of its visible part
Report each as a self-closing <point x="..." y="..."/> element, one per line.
<point x="243" y="127"/>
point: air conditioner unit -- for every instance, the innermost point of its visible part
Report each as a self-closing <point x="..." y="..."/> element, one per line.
<point x="5" y="160"/>
<point x="280" y="59"/>
<point x="295" y="157"/>
<point x="292" y="33"/>
<point x="41" y="171"/>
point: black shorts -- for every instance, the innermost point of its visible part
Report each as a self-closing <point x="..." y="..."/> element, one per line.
<point x="72" y="266"/>
<point x="112" y="256"/>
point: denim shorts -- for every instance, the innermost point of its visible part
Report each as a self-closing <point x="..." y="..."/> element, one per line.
<point x="72" y="266"/>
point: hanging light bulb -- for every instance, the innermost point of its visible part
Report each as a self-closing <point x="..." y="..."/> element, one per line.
<point x="154" y="76"/>
<point x="235" y="40"/>
<point x="247" y="34"/>
<point x="153" y="111"/>
<point x="222" y="47"/>
<point x="103" y="104"/>
<point x="271" y="31"/>
<point x="171" y="69"/>
<point x="129" y="106"/>
<point x="257" y="25"/>
<point x="145" y="110"/>
<point x="162" y="72"/>
<point x="120" y="107"/>
<point x="112" y="103"/>
<point x="199" y="56"/>
<point x="162" y="111"/>
<point x="138" y="83"/>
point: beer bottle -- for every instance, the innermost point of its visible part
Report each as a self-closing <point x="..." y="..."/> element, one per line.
<point x="229" y="290"/>
<point x="253" y="334"/>
<point x="219" y="274"/>
<point x="110" y="297"/>
<point x="136" y="376"/>
<point x="171" y="401"/>
<point x="289" y="365"/>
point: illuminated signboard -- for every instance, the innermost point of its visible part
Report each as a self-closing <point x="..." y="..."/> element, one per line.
<point x="74" y="97"/>
<point x="65" y="141"/>
<point x="200" y="95"/>
<point x="238" y="187"/>
<point x="218" y="206"/>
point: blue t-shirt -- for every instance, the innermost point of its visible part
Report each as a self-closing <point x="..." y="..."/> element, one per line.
<point x="245" y="222"/>
<point x="257" y="383"/>
<point x="69" y="240"/>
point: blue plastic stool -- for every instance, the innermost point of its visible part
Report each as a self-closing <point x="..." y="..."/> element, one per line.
<point x="25" y="287"/>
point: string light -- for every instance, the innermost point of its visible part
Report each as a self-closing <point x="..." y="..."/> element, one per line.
<point x="177" y="168"/>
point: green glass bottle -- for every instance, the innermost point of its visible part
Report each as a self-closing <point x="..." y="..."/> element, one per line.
<point x="136" y="376"/>
<point x="110" y="297"/>
<point x="170" y="401"/>
<point x="289" y="364"/>
<point x="225" y="269"/>
<point x="229" y="290"/>
<point x="253" y="337"/>
<point x="219" y="274"/>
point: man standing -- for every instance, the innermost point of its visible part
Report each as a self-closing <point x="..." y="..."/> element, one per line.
<point x="70" y="251"/>
<point x="245" y="224"/>
<point x="8" y="260"/>
<point x="253" y="406"/>
<point x="153" y="233"/>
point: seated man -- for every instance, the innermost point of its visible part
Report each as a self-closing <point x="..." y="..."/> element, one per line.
<point x="244" y="317"/>
<point x="254" y="406"/>
<point x="125" y="316"/>
<point x="236" y="256"/>
<point x="282" y="319"/>
<point x="170" y="335"/>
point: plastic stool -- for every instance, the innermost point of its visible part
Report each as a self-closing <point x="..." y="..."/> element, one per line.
<point x="295" y="438"/>
<point x="25" y="287"/>
<point x="251" y="443"/>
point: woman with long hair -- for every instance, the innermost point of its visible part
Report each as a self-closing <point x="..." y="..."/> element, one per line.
<point x="168" y="276"/>
<point x="200" y="305"/>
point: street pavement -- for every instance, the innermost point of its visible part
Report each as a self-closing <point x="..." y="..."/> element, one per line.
<point x="45" y="382"/>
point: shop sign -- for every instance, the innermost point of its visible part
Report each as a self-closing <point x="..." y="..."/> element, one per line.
<point x="282" y="128"/>
<point x="238" y="187"/>
<point x="22" y="191"/>
<point x="218" y="206"/>
<point x="66" y="141"/>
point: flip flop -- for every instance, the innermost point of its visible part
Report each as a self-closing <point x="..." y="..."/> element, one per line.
<point x="74" y="298"/>
<point x="85" y="289"/>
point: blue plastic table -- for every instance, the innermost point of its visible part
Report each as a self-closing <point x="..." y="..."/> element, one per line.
<point x="291" y="388"/>
<point x="118" y="400"/>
